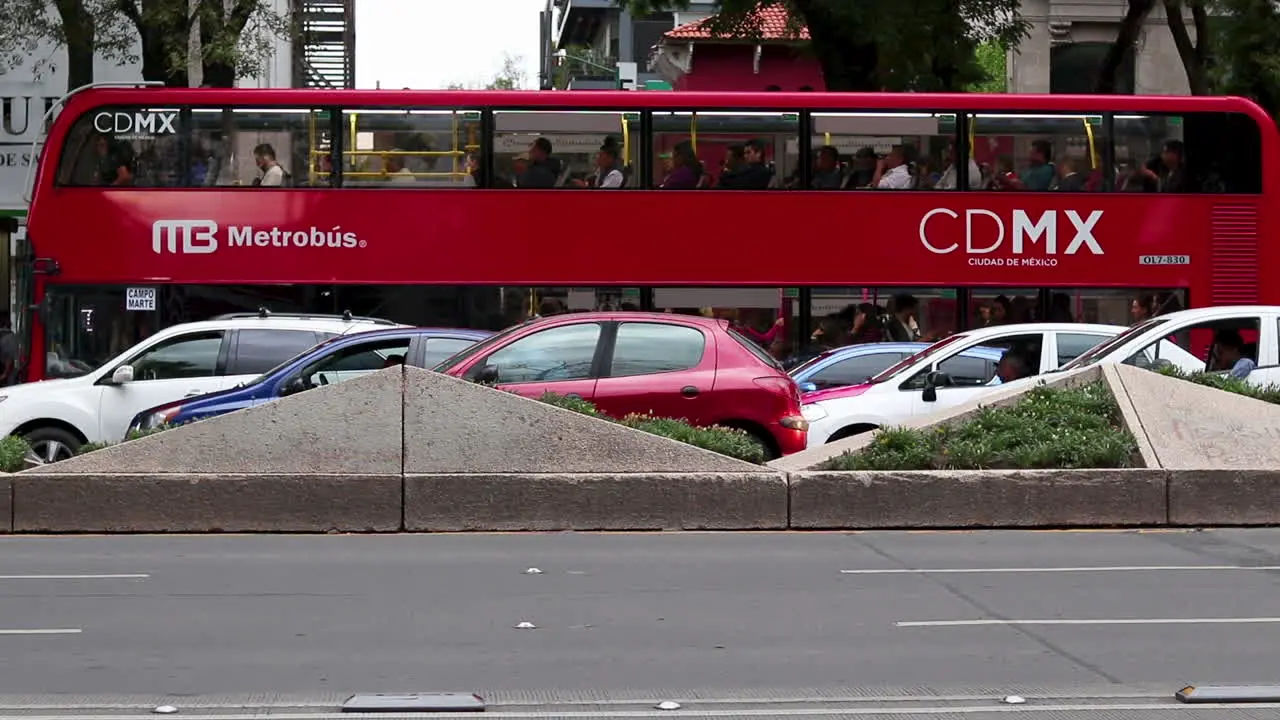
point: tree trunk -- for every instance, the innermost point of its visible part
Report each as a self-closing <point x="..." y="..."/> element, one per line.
<point x="217" y="74"/>
<point x="78" y="29"/>
<point x="1130" y="28"/>
<point x="1193" y="56"/>
<point x="155" y="32"/>
<point x="846" y="66"/>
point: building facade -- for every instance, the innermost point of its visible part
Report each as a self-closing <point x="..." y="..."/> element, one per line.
<point x="1062" y="54"/>
<point x="613" y="36"/>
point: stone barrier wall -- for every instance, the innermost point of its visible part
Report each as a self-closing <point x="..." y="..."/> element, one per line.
<point x="442" y="502"/>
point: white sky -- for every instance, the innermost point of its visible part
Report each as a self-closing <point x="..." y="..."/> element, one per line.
<point x="424" y="44"/>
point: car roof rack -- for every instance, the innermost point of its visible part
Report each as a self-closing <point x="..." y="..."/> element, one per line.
<point x="346" y="316"/>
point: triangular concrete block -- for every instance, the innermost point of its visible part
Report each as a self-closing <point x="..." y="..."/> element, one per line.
<point x="454" y="426"/>
<point x="1193" y="427"/>
<point x="353" y="427"/>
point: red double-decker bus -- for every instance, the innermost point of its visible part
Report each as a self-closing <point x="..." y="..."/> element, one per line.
<point x="157" y="206"/>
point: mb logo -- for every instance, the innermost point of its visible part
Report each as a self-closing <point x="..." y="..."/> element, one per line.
<point x="186" y="237"/>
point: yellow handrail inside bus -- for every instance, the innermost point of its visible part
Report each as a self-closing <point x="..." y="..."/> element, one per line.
<point x="352" y="134"/>
<point x="311" y="143"/>
<point x="453" y="135"/>
<point x="693" y="132"/>
<point x="826" y="138"/>
<point x="626" y="140"/>
<point x="1093" y="151"/>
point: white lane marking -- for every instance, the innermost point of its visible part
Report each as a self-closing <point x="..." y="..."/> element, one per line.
<point x="41" y="631"/>
<point x="777" y="700"/>
<point x="121" y="576"/>
<point x="1099" y="621"/>
<point x="1101" y="568"/>
<point x="747" y="712"/>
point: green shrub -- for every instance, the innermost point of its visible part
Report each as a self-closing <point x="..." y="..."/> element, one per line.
<point x="13" y="453"/>
<point x="1047" y="428"/>
<point x="131" y="435"/>
<point x="726" y="441"/>
<point x="1266" y="393"/>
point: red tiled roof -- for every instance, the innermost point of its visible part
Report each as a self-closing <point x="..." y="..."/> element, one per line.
<point x="772" y="22"/>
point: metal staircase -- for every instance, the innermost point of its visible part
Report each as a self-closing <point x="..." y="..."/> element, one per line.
<point x="325" y="54"/>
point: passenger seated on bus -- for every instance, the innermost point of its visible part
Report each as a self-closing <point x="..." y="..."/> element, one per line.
<point x="862" y="168"/>
<point x="949" y="181"/>
<point x="543" y="170"/>
<point x="1041" y="174"/>
<point x="826" y="169"/>
<point x="116" y="161"/>
<point x="892" y="171"/>
<point x="1069" y="179"/>
<point x="1168" y="171"/>
<point x="607" y="175"/>
<point x="686" y="172"/>
<point x="1228" y="354"/>
<point x="1005" y="177"/>
<point x="264" y="156"/>
<point x="758" y="174"/>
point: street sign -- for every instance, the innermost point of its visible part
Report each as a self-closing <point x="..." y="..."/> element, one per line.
<point x="141" y="299"/>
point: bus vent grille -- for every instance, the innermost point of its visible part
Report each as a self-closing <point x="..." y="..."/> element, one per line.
<point x="1235" y="255"/>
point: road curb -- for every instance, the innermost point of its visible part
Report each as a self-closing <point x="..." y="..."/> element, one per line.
<point x="191" y="503"/>
<point x="595" y="501"/>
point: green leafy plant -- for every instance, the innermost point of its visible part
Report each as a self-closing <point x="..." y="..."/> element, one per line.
<point x="131" y="435"/>
<point x="726" y="441"/>
<point x="1047" y="428"/>
<point x="1266" y="393"/>
<point x="13" y="453"/>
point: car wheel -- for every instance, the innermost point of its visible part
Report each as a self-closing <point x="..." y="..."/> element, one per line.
<point x="50" y="445"/>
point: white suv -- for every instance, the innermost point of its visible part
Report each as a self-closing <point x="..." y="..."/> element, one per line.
<point x="58" y="416"/>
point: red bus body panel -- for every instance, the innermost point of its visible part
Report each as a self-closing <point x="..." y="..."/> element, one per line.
<point x="516" y="237"/>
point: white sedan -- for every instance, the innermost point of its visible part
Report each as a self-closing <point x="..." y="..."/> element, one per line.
<point x="938" y="378"/>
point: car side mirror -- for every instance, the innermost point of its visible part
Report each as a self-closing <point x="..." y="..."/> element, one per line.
<point x="122" y="375"/>
<point x="487" y="375"/>
<point x="293" y="386"/>
<point x="808" y="387"/>
<point x="932" y="382"/>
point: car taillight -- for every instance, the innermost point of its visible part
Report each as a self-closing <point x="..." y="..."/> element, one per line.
<point x="781" y="385"/>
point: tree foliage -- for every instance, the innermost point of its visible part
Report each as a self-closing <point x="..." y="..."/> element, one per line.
<point x="82" y="27"/>
<point x="1232" y="46"/>
<point x="992" y="60"/>
<point x="870" y="46"/>
<point x="511" y="77"/>
<point x="226" y="40"/>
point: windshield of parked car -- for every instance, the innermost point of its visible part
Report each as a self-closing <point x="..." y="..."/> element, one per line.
<point x="892" y="370"/>
<point x="1098" y="352"/>
<point x="480" y="347"/>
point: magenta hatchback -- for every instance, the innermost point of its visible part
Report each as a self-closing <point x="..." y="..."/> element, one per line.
<point x="677" y="366"/>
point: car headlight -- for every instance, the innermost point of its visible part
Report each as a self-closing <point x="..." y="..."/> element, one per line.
<point x="813" y="412"/>
<point x="156" y="419"/>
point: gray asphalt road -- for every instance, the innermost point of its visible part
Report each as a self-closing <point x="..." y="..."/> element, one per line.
<point x="617" y="612"/>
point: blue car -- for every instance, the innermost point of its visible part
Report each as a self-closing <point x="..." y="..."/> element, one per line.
<point x="332" y="361"/>
<point x="854" y="364"/>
